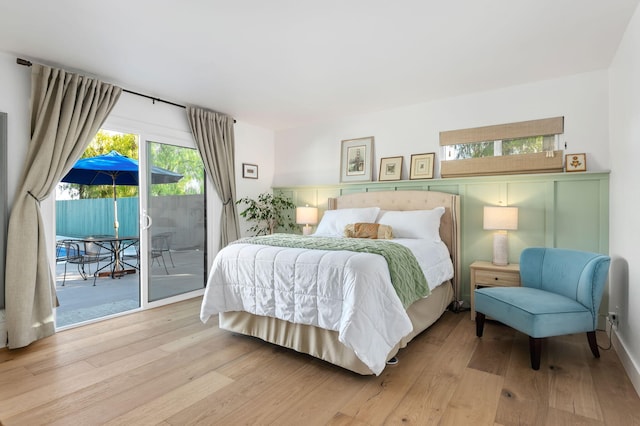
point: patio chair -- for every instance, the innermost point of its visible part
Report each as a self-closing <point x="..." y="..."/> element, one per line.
<point x="67" y="251"/>
<point x="160" y="244"/>
<point x="165" y="247"/>
<point x="90" y="254"/>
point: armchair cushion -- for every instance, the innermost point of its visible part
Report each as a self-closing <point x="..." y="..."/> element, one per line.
<point x="535" y="312"/>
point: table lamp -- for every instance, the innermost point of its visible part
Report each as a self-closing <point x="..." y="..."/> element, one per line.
<point x="501" y="220"/>
<point x="306" y="216"/>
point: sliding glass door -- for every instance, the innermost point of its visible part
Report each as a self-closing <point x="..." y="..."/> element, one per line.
<point x="154" y="249"/>
<point x="175" y="221"/>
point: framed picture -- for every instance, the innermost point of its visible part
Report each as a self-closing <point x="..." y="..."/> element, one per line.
<point x="249" y="171"/>
<point x="422" y="166"/>
<point x="390" y="168"/>
<point x="576" y="162"/>
<point x="355" y="160"/>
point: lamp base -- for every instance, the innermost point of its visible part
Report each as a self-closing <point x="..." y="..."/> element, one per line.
<point x="500" y="249"/>
<point x="306" y="230"/>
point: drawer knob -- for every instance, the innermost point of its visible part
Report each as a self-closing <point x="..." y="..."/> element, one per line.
<point x="496" y="278"/>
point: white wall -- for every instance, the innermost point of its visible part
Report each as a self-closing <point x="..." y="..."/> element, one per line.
<point x="311" y="155"/>
<point x="14" y="82"/>
<point x="624" y="286"/>
<point x="257" y="148"/>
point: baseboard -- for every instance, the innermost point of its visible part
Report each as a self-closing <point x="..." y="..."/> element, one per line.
<point x="3" y="330"/>
<point x="627" y="362"/>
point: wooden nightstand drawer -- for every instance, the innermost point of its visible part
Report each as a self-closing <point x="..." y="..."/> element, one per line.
<point x="486" y="274"/>
<point x="497" y="278"/>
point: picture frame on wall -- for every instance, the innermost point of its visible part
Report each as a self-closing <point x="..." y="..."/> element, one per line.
<point x="576" y="162"/>
<point x="422" y="166"/>
<point x="356" y="157"/>
<point x="249" y="171"/>
<point x="390" y="168"/>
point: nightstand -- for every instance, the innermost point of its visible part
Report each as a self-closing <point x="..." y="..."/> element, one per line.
<point x="486" y="274"/>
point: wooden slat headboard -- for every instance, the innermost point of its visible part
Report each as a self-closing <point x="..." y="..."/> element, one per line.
<point x="415" y="200"/>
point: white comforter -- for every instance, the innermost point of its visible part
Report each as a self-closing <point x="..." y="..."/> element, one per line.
<point x="347" y="292"/>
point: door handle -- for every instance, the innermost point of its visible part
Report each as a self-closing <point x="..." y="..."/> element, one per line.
<point x="145" y="220"/>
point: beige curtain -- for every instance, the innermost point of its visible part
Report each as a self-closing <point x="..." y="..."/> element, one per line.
<point x="214" y="137"/>
<point x="67" y="111"/>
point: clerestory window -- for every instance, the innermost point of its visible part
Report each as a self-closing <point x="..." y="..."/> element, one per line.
<point x="515" y="146"/>
<point x="523" y="147"/>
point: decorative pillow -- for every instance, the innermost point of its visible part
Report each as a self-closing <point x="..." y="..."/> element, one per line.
<point x="423" y="224"/>
<point x="368" y="230"/>
<point x="334" y="221"/>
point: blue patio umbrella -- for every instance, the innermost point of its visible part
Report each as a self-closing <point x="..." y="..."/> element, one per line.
<point x="114" y="169"/>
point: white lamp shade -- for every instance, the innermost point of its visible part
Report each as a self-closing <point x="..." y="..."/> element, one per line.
<point x="500" y="218"/>
<point x="306" y="215"/>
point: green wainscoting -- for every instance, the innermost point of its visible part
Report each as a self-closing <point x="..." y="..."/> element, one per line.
<point x="568" y="210"/>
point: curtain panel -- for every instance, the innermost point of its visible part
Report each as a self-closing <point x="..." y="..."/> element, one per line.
<point x="67" y="110"/>
<point x="214" y="137"/>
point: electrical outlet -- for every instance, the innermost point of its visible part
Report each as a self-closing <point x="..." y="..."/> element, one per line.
<point x="613" y="319"/>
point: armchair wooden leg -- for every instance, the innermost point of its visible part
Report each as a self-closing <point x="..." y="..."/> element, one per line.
<point x="593" y="343"/>
<point x="479" y="324"/>
<point x="535" y="349"/>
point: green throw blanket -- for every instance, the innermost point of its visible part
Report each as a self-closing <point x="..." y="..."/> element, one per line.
<point x="406" y="275"/>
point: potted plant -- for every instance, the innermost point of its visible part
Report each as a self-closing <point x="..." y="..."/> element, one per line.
<point x="268" y="212"/>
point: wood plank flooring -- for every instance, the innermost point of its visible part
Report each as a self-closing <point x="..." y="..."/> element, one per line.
<point x="164" y="367"/>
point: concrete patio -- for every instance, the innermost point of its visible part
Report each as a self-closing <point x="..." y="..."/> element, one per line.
<point x="81" y="301"/>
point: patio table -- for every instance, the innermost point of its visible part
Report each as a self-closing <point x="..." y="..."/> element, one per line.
<point x="116" y="247"/>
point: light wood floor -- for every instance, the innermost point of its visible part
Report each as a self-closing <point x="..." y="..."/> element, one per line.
<point x="164" y="367"/>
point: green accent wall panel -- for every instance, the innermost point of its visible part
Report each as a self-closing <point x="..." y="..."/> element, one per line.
<point x="577" y="215"/>
<point x="532" y="203"/>
<point x="569" y="210"/>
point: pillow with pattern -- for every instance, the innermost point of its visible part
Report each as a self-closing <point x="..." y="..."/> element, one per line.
<point x="368" y="230"/>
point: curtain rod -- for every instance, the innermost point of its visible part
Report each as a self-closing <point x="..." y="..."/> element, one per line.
<point x="27" y="63"/>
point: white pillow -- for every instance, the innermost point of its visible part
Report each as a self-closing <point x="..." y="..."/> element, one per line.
<point x="334" y="221"/>
<point x="423" y="224"/>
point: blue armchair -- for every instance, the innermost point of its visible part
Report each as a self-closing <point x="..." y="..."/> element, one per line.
<point x="560" y="294"/>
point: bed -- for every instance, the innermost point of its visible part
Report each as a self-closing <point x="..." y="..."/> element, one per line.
<point x="320" y="339"/>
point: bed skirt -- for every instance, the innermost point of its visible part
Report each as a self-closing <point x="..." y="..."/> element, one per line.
<point x="324" y="344"/>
